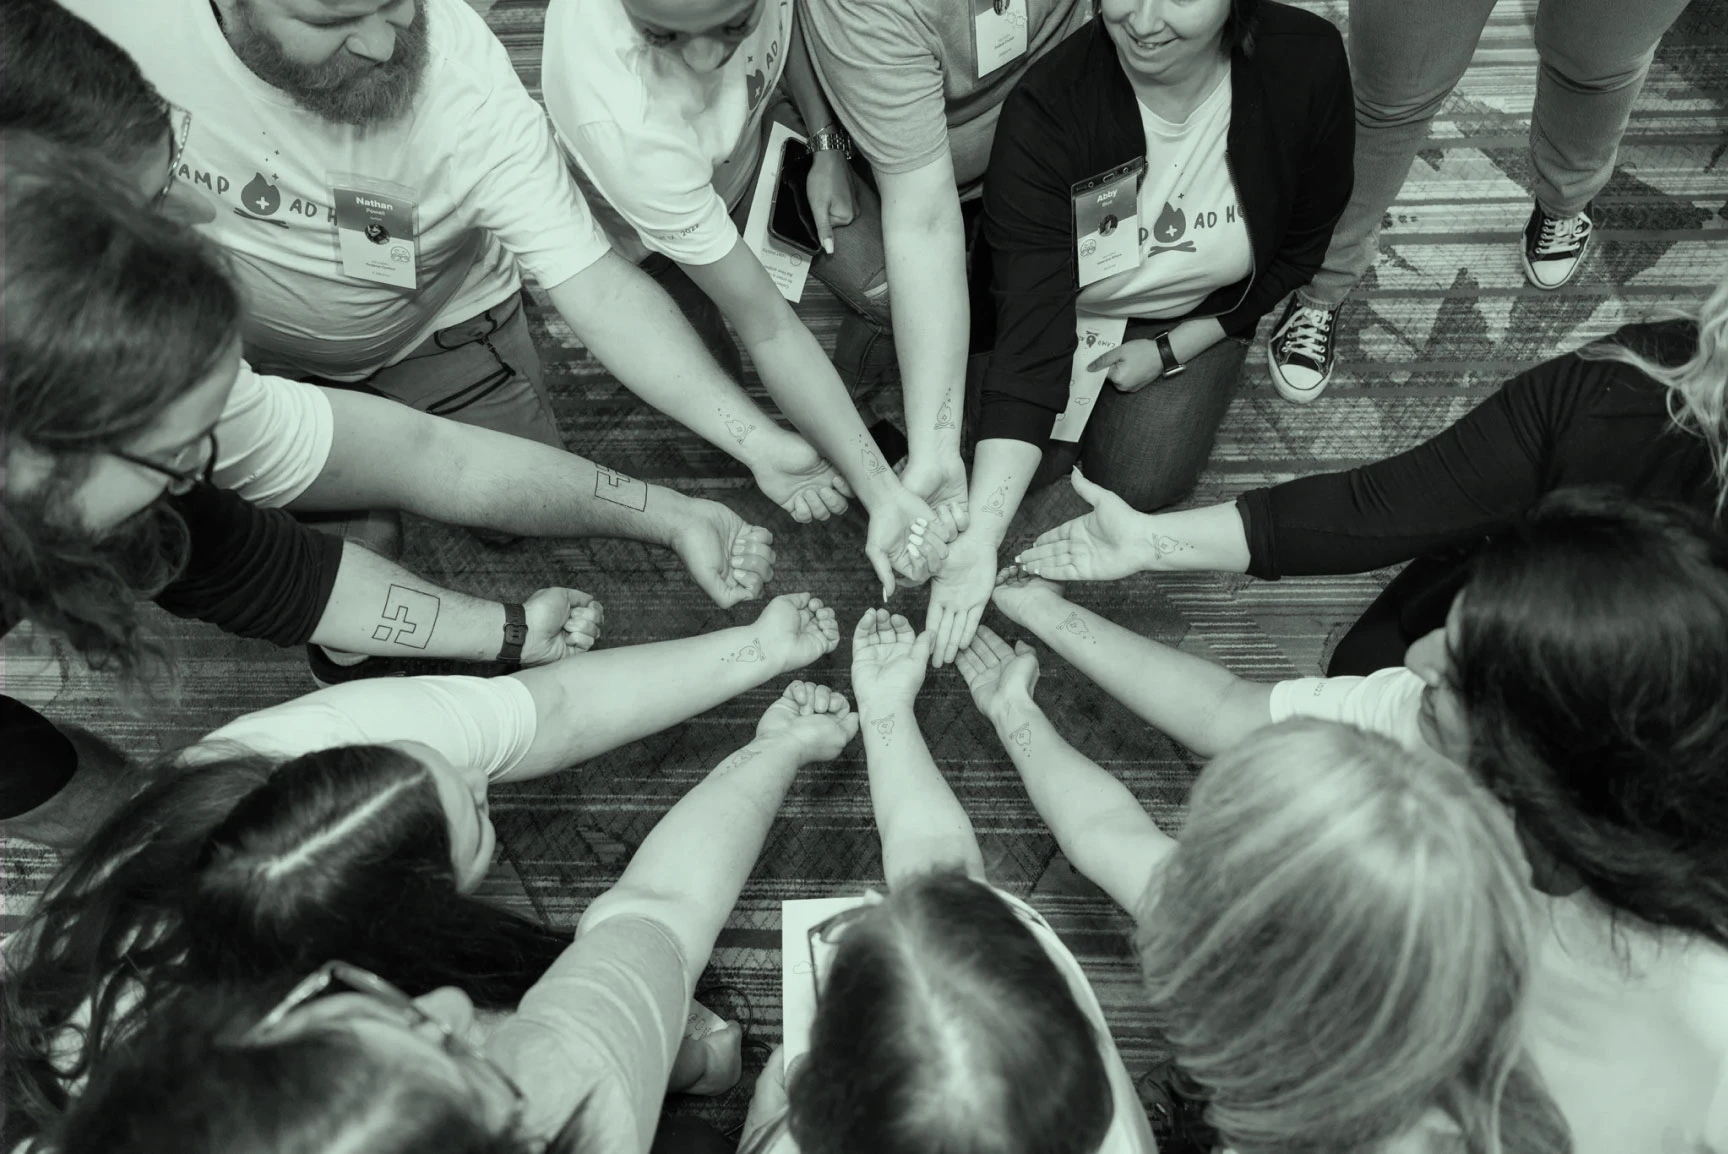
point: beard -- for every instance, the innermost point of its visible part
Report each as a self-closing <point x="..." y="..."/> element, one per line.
<point x="343" y="89"/>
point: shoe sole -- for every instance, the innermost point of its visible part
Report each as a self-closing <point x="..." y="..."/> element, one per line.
<point x="1290" y="392"/>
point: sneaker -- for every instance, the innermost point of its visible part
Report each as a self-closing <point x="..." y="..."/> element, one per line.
<point x="1554" y="247"/>
<point x="327" y="673"/>
<point x="1300" y="353"/>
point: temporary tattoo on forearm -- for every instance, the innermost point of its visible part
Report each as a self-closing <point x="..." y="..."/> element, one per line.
<point x="997" y="502"/>
<point x="742" y="757"/>
<point x="736" y="427"/>
<point x="611" y="485"/>
<point x="884" y="727"/>
<point x="871" y="457"/>
<point x="1076" y="625"/>
<point x="408" y="617"/>
<point x="945" y="414"/>
<point x="1022" y="738"/>
<point x="748" y="655"/>
<point x="1168" y="546"/>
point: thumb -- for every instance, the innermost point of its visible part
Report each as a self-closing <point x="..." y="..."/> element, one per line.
<point x="1090" y="492"/>
<point x="1021" y="649"/>
<point x="884" y="572"/>
<point x="824" y="229"/>
<point x="579" y="599"/>
<point x="1112" y="357"/>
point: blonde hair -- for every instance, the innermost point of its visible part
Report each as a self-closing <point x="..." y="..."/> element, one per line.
<point x="1697" y="387"/>
<point x="1341" y="944"/>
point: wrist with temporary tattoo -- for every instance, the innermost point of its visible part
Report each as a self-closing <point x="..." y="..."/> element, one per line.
<point x="1013" y="713"/>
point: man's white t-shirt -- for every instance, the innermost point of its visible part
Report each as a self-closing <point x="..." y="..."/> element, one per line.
<point x="273" y="438"/>
<point x="1629" y="1031"/>
<point x="1387" y="702"/>
<point x="1193" y="239"/>
<point x="475" y="156"/>
<point x="662" y="151"/>
<point x="487" y="722"/>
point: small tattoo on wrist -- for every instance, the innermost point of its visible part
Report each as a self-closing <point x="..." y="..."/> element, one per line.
<point x="872" y="458"/>
<point x="884" y="727"/>
<point x="998" y="500"/>
<point x="737" y="428"/>
<point x="945" y="414"/>
<point x="1166" y="546"/>
<point x="1022" y="738"/>
<point x="1076" y="625"/>
<point x="742" y="757"/>
<point x="748" y="655"/>
<point x="611" y="485"/>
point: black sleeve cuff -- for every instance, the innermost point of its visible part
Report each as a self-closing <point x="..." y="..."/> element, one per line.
<point x="1255" y="509"/>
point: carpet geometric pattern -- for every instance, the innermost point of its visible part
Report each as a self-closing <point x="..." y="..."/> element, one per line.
<point x="1444" y="316"/>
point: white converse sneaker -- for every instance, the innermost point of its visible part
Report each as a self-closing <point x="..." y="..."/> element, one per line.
<point x="1300" y="353"/>
<point x="1554" y="247"/>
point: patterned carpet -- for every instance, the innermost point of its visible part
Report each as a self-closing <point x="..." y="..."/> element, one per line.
<point x="1442" y="319"/>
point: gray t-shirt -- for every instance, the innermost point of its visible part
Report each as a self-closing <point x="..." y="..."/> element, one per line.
<point x="903" y="75"/>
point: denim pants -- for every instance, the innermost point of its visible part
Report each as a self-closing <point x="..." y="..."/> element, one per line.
<point x="483" y="371"/>
<point x="856" y="272"/>
<point x="1148" y="447"/>
<point x="1407" y="55"/>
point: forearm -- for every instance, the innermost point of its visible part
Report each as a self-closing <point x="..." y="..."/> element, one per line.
<point x="379" y="608"/>
<point x="926" y="256"/>
<point x="598" y="701"/>
<point x="1002" y="471"/>
<point x="1193" y="337"/>
<point x="1202" y="705"/>
<point x="386" y="455"/>
<point x="634" y="329"/>
<point x="801" y="83"/>
<point x="692" y="866"/>
<point x="920" y="821"/>
<point x="1208" y="539"/>
<point x="1099" y="825"/>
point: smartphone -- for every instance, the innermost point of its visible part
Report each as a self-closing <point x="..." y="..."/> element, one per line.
<point x="790" y="221"/>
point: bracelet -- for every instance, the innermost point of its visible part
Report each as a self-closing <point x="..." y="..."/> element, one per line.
<point x="515" y="633"/>
<point x="832" y="139"/>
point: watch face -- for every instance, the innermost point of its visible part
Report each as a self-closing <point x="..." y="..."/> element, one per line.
<point x="515" y="634"/>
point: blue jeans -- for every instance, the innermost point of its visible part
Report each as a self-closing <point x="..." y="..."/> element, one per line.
<point x="1149" y="447"/>
<point x="1405" y="59"/>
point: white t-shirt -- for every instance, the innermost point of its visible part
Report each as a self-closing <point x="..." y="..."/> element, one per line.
<point x="1630" y="1033"/>
<point x="662" y="151"/>
<point x="274" y="438"/>
<point x="1387" y="702"/>
<point x="1193" y="239"/>
<point x="475" y="156"/>
<point x="489" y="722"/>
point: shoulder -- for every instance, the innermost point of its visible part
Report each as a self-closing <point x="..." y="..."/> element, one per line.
<point x="1296" y="52"/>
<point x="1077" y="69"/>
<point x="1284" y="28"/>
<point x="1668" y="343"/>
<point x="464" y="58"/>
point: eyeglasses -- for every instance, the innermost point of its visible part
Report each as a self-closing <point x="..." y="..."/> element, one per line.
<point x="340" y="977"/>
<point x="180" y="479"/>
<point x="823" y="938"/>
<point x="182" y="127"/>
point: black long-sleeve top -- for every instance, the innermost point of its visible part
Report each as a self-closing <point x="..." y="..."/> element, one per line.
<point x="1563" y="423"/>
<point x="1074" y="116"/>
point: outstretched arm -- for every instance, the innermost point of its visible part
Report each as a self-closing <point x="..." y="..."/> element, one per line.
<point x="615" y="696"/>
<point x="635" y="330"/>
<point x="917" y="816"/>
<point x="1099" y="825"/>
<point x="1115" y="540"/>
<point x="691" y="867"/>
<point x="1204" y="706"/>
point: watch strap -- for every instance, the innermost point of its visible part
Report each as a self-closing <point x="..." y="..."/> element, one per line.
<point x="515" y="633"/>
<point x="1172" y="366"/>
<point x="832" y="139"/>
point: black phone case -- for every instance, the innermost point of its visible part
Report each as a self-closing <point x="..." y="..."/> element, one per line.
<point x="790" y="221"/>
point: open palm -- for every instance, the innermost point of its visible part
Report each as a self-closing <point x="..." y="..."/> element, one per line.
<point x="1104" y="545"/>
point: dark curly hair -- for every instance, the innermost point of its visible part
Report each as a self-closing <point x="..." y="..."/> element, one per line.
<point x="1592" y="663"/>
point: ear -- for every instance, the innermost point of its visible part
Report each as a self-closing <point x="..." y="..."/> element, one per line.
<point x="1548" y="874"/>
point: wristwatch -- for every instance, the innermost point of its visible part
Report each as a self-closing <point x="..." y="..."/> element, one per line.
<point x="833" y="138"/>
<point x="515" y="633"/>
<point x="1172" y="366"/>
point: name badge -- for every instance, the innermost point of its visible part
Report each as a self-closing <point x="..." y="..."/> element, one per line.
<point x="1095" y="336"/>
<point x="375" y="236"/>
<point x="1106" y="222"/>
<point x="998" y="33"/>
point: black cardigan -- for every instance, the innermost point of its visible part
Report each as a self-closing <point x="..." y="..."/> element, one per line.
<point x="1074" y="115"/>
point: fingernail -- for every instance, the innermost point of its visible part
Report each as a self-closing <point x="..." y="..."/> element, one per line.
<point x="828" y="246"/>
